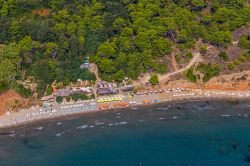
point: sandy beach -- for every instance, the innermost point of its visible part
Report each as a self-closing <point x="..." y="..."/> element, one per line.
<point x="177" y="94"/>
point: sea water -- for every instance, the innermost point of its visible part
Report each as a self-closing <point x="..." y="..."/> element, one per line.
<point x="198" y="133"/>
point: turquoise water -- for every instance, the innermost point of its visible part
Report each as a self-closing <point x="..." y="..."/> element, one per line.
<point x="192" y="133"/>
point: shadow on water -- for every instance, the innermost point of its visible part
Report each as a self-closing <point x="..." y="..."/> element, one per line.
<point x="4" y="133"/>
<point x="30" y="144"/>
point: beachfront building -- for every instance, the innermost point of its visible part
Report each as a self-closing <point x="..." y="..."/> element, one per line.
<point x="106" y="88"/>
<point x="106" y="91"/>
<point x="83" y="90"/>
<point x="48" y="99"/>
<point x="62" y="92"/>
<point x="127" y="88"/>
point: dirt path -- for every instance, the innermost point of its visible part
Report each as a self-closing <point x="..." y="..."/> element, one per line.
<point x="208" y="8"/>
<point x="174" y="63"/>
<point x="94" y="69"/>
<point x="196" y="58"/>
<point x="162" y="78"/>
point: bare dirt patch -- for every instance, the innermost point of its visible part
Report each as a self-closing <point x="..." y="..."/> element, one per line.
<point x="11" y="101"/>
<point x="237" y="82"/>
<point x="239" y="32"/>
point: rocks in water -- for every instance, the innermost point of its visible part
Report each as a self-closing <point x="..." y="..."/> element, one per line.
<point x="206" y="104"/>
<point x="247" y="158"/>
<point x="27" y="132"/>
<point x="25" y="141"/>
<point x="233" y="101"/>
<point x="180" y="107"/>
<point x="29" y="145"/>
<point x="224" y="151"/>
<point x="234" y="146"/>
<point x="5" y="133"/>
<point x="202" y="106"/>
<point x="248" y="146"/>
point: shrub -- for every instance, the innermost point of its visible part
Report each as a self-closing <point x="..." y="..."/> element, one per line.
<point x="79" y="96"/>
<point x="59" y="85"/>
<point x="223" y="55"/>
<point x="190" y="75"/>
<point x="209" y="71"/>
<point x="189" y="55"/>
<point x="242" y="59"/>
<point x="203" y="50"/>
<point x="92" y="96"/>
<point x="49" y="90"/>
<point x="41" y="88"/>
<point x="3" y="86"/>
<point x="245" y="41"/>
<point x="68" y="98"/>
<point x="59" y="99"/>
<point x="161" y="68"/>
<point x="236" y="62"/>
<point x="178" y="58"/>
<point x="154" y="80"/>
<point x="87" y="75"/>
<point x="119" y="76"/>
<point x="20" y="89"/>
<point x="231" y="66"/>
<point x="247" y="56"/>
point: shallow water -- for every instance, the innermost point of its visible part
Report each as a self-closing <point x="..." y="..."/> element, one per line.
<point x="191" y="133"/>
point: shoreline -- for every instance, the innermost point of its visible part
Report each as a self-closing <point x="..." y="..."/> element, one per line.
<point x="9" y="121"/>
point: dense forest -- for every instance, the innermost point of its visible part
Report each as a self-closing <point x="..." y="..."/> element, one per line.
<point x="47" y="40"/>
